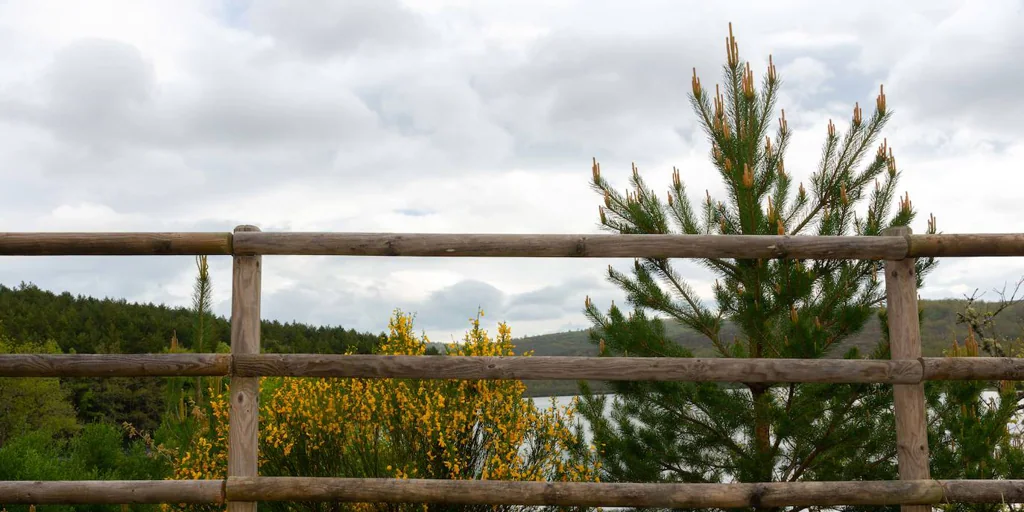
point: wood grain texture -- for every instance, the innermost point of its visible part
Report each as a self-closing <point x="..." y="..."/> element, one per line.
<point x="973" y="368"/>
<point x="983" y="491"/>
<point x="510" y="245"/>
<point x="578" y="368"/>
<point x="243" y="428"/>
<point x="966" y="245"/>
<point x="113" y="244"/>
<point x="514" y="367"/>
<point x="905" y="343"/>
<point x="569" y="246"/>
<point x="114" y="365"/>
<point x="250" y="489"/>
<point x="479" y="492"/>
<point x="111" y="492"/>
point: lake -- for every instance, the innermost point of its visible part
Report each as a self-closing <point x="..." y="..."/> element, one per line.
<point x="563" y="401"/>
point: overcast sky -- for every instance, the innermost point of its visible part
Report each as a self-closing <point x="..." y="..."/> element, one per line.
<point x="462" y="116"/>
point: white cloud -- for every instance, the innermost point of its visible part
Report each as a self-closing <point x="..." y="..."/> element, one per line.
<point x="323" y="29"/>
<point x="454" y="116"/>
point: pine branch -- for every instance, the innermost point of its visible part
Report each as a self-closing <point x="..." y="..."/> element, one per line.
<point x="823" y="441"/>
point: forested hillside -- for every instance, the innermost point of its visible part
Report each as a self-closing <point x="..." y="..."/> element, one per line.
<point x="81" y="324"/>
<point x="89" y="325"/>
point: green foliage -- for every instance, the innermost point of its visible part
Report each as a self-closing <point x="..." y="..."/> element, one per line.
<point x="96" y="453"/>
<point x="116" y="400"/>
<point x="202" y="296"/>
<point x="975" y="428"/>
<point x="202" y="330"/>
<point x="782" y="308"/>
<point x="41" y="438"/>
<point x="89" y="325"/>
<point x="973" y="436"/>
<point x="36" y="405"/>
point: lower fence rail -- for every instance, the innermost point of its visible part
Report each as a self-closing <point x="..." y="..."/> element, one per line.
<point x="110" y="492"/>
<point x="493" y="492"/>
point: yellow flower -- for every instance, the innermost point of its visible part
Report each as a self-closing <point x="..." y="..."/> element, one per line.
<point x="331" y="427"/>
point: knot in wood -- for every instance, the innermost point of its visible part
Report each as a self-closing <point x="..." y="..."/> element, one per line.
<point x="581" y="247"/>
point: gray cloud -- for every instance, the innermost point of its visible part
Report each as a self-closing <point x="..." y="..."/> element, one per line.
<point x="102" y="95"/>
<point x="320" y="28"/>
<point x="97" y="90"/>
<point x="575" y="96"/>
<point x="94" y="95"/>
<point x="449" y="307"/>
<point x="553" y="301"/>
<point x="965" y="74"/>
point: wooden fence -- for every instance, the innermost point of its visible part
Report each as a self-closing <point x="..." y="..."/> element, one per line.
<point x="243" y="487"/>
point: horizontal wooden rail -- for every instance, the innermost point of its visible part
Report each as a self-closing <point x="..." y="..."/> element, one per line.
<point x="571" y="246"/>
<point x="491" y="492"/>
<point x="113" y="244"/>
<point x="632" y="368"/>
<point x="114" y="365"/>
<point x="512" y="245"/>
<point x="966" y="245"/>
<point x="514" y="367"/>
<point x="487" y="492"/>
<point x="579" y="368"/>
<point x="110" y="492"/>
<point x="629" y="246"/>
<point x="973" y="368"/>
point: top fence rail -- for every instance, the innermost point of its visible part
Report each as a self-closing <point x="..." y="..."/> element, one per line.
<point x="513" y="246"/>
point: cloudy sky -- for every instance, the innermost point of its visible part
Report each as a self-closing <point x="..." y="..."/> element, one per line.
<point x="461" y="116"/>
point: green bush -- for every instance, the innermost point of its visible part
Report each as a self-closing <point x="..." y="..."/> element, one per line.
<point x="98" y="452"/>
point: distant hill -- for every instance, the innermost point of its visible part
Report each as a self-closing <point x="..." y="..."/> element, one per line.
<point x="937" y="333"/>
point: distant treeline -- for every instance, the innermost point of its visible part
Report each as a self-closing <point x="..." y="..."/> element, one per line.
<point x="86" y="325"/>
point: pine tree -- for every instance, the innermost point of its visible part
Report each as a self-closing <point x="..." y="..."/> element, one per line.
<point x="785" y="308"/>
<point x="973" y="426"/>
<point x="202" y="296"/>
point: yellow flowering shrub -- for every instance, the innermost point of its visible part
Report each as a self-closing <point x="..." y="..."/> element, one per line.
<point x="400" y="428"/>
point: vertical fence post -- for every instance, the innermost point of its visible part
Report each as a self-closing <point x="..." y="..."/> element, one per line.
<point x="905" y="343"/>
<point x="243" y="432"/>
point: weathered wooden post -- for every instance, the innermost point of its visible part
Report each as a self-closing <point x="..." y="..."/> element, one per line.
<point x="905" y="343"/>
<point x="243" y="433"/>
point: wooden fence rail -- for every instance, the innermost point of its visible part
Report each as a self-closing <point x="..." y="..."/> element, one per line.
<point x="114" y="365"/>
<point x="907" y="371"/>
<point x="243" y="488"/>
<point x="488" y="492"/>
<point x="114" y="244"/>
<point x="512" y="246"/>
